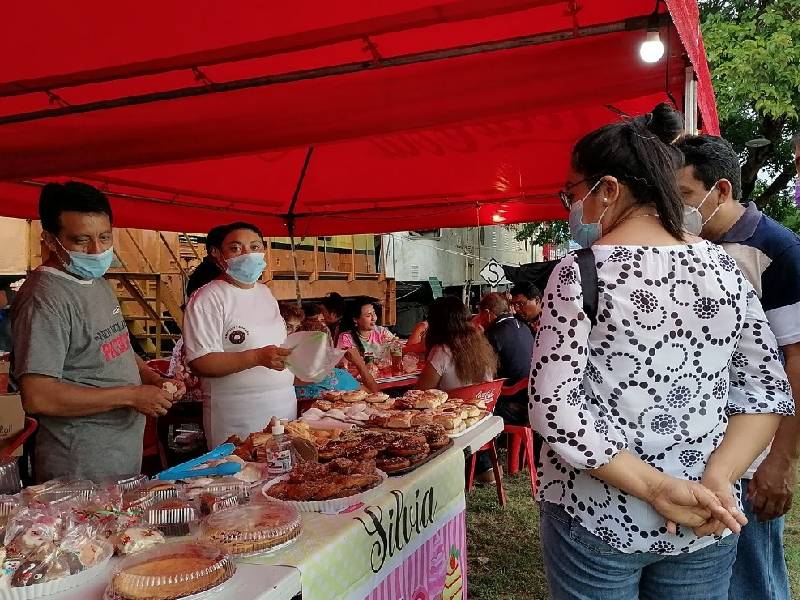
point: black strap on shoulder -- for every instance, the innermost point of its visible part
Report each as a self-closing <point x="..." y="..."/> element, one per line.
<point x="588" y="268"/>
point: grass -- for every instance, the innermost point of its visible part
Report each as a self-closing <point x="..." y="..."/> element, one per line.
<point x="505" y="561"/>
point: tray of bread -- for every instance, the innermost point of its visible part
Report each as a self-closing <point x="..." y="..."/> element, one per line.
<point x="329" y="487"/>
<point x="395" y="452"/>
<point x="414" y="409"/>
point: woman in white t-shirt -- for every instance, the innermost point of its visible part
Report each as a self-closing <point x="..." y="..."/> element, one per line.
<point x="458" y="355"/>
<point x="232" y="333"/>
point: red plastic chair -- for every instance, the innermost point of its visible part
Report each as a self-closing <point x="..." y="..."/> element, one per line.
<point x="30" y="428"/>
<point x="517" y="437"/>
<point x="489" y="392"/>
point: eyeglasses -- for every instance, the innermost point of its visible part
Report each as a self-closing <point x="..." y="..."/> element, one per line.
<point x="567" y="197"/>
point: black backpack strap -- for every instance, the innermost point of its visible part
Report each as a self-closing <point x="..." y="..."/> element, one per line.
<point x="588" y="268"/>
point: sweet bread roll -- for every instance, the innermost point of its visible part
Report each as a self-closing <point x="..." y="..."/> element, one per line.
<point x="354" y="396"/>
<point x="400" y="420"/>
<point x="426" y="403"/>
<point x="331" y="396"/>
<point x="421" y="418"/>
<point x="377" y="398"/>
<point x="448" y="421"/>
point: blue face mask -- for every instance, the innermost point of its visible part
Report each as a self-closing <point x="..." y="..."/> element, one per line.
<point x="584" y="234"/>
<point x="246" y="268"/>
<point x="88" y="266"/>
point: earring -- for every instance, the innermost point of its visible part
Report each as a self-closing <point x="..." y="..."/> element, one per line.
<point x="605" y="201"/>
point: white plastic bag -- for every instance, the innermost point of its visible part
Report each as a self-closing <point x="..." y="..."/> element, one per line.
<point x="312" y="358"/>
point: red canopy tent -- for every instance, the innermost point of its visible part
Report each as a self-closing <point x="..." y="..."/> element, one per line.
<point x="346" y="117"/>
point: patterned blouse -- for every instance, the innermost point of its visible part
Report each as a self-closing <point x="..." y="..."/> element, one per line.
<point x="681" y="343"/>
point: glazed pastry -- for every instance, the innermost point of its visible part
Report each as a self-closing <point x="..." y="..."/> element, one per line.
<point x="393" y="463"/>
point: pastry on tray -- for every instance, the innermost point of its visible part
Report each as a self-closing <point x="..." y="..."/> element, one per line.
<point x="252" y="529"/>
<point x="339" y="478"/>
<point x="170" y="572"/>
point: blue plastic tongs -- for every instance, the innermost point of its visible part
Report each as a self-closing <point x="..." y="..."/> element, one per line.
<point x="187" y="470"/>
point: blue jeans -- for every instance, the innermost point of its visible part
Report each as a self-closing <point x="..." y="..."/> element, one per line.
<point x="760" y="567"/>
<point x="580" y="566"/>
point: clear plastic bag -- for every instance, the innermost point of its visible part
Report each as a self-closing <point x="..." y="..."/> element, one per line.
<point x="313" y="357"/>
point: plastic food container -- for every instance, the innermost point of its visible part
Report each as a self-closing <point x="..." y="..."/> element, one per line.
<point x="224" y="485"/>
<point x="61" y="584"/>
<point x="171" y="571"/>
<point x="172" y="517"/>
<point x="151" y="493"/>
<point x="8" y="504"/>
<point x="211" y="503"/>
<point x="126" y="483"/>
<point x="9" y="476"/>
<point x="253" y="529"/>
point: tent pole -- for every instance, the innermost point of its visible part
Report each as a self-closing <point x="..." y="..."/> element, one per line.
<point x="290" y="218"/>
<point x="294" y="263"/>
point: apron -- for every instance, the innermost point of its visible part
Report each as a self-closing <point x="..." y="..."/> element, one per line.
<point x="244" y="402"/>
<point x="242" y="414"/>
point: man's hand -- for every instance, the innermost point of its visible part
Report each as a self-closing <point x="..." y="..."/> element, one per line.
<point x="151" y="400"/>
<point x="273" y="357"/>
<point x="691" y="504"/>
<point x="174" y="386"/>
<point x="772" y="487"/>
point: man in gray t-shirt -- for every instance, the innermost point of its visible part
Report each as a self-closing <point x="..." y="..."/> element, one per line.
<point x="72" y="354"/>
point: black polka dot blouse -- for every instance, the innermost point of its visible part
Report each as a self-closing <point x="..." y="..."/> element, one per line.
<point x="681" y="343"/>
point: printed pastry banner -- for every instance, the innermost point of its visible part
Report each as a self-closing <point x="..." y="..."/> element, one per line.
<point x="349" y="555"/>
<point x="436" y="571"/>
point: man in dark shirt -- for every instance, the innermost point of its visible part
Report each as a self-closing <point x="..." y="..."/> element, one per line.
<point x="513" y="343"/>
<point x="526" y="300"/>
<point x="768" y="254"/>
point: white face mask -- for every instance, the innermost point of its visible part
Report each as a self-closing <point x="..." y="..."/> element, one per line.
<point x="692" y="217"/>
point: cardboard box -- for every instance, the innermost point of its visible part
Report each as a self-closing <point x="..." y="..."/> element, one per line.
<point x="12" y="420"/>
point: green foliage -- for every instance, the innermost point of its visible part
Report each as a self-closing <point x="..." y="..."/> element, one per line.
<point x="754" y="56"/>
<point x="753" y="49"/>
<point x="547" y="232"/>
<point x="783" y="209"/>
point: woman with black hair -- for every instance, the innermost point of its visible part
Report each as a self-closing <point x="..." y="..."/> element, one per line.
<point x="360" y="330"/>
<point x="651" y="415"/>
<point x="458" y="354"/>
<point x="206" y="272"/>
<point x="208" y="269"/>
<point x="333" y="309"/>
<point x="233" y="330"/>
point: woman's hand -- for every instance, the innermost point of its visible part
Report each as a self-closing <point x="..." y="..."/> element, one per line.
<point x="723" y="489"/>
<point x="691" y="504"/>
<point x="273" y="357"/>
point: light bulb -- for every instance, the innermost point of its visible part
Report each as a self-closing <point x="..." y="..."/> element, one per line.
<point x="652" y="48"/>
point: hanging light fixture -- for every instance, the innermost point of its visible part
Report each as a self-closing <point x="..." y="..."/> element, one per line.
<point x="652" y="48"/>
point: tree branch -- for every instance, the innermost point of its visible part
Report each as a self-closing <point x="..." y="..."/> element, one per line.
<point x="780" y="182"/>
<point x="771" y="129"/>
